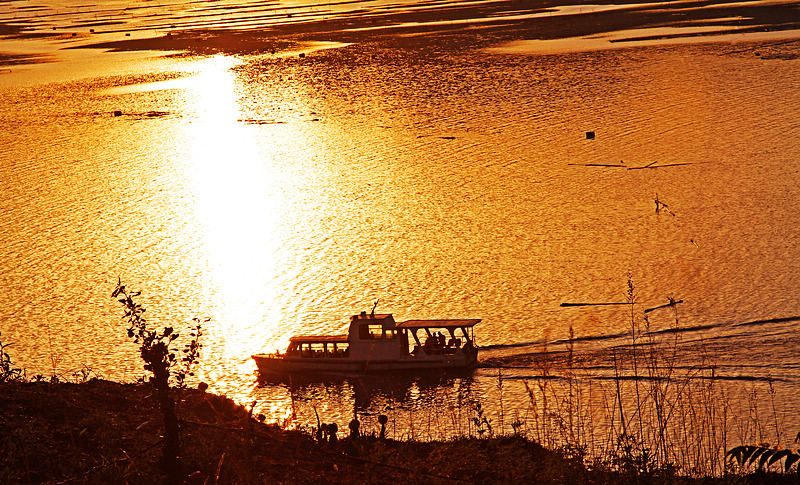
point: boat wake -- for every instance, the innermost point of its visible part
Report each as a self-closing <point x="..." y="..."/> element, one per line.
<point x="753" y="350"/>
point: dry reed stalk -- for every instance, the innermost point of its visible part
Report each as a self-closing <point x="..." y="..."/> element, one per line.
<point x="501" y="415"/>
<point x="774" y="410"/>
<point x="411" y="424"/>
<point x="631" y="299"/>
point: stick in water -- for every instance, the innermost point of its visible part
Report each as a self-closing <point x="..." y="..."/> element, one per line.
<point x="594" y="304"/>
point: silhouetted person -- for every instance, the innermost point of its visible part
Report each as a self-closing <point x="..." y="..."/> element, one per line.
<point x="354" y="425"/>
<point x="333" y="428"/>
<point x="383" y="419"/>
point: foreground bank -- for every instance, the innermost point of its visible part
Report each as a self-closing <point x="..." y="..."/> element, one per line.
<point x="106" y="432"/>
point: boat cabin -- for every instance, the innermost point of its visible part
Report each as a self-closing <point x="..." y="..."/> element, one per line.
<point x="383" y="336"/>
<point x="376" y="334"/>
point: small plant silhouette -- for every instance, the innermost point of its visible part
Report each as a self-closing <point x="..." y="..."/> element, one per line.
<point x="633" y="457"/>
<point x="162" y="363"/>
<point x="482" y="423"/>
<point x="764" y="456"/>
<point x="8" y="372"/>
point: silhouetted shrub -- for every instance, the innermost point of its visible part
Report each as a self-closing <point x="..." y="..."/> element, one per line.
<point x="162" y="363"/>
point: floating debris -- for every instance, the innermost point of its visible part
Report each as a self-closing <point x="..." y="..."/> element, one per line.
<point x="253" y="121"/>
<point x="621" y="164"/>
<point x="615" y="165"/>
<point x="590" y="135"/>
<point x="646" y="166"/>
<point x="672" y="302"/>
<point x="653" y="165"/>
<point x="142" y="116"/>
<point x="662" y="206"/>
<point x="594" y="304"/>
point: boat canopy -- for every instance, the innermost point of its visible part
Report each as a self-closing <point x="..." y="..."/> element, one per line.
<point x="301" y="339"/>
<point x="438" y="323"/>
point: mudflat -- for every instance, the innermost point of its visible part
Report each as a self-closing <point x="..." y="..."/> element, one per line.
<point x="439" y="26"/>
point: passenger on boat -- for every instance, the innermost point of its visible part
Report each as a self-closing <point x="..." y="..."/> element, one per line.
<point x="431" y="344"/>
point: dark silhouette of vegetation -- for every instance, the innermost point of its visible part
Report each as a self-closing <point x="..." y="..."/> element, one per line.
<point x="762" y="457"/>
<point x="8" y="372"/>
<point x="163" y="364"/>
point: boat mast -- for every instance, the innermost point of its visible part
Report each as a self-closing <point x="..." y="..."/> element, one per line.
<point x="372" y="313"/>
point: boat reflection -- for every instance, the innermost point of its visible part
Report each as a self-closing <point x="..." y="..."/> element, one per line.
<point x="372" y="393"/>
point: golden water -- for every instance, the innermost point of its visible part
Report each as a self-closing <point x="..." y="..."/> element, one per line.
<point x="278" y="195"/>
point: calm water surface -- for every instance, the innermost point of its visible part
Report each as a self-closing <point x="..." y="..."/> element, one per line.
<point x="279" y="195"/>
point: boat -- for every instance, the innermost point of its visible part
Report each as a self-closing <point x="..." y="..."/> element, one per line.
<point x="376" y="343"/>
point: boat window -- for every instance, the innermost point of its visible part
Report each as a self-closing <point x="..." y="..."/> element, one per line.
<point x="392" y="333"/>
<point x="340" y="349"/>
<point x="371" y="331"/>
<point x="318" y="347"/>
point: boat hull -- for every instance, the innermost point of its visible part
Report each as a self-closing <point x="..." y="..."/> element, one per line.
<point x="271" y="364"/>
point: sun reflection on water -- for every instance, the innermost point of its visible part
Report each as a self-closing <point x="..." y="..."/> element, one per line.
<point x="238" y="205"/>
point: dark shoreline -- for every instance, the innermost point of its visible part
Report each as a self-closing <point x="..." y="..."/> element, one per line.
<point x="103" y="432"/>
